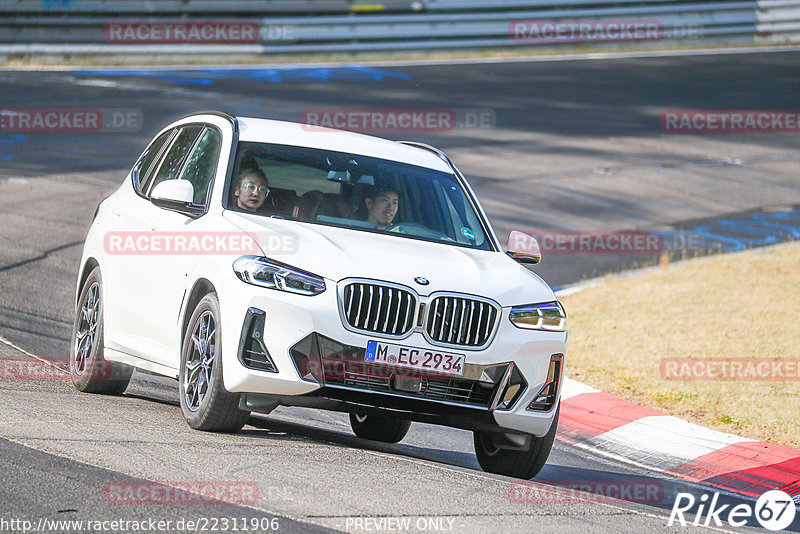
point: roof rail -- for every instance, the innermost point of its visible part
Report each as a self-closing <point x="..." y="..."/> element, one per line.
<point x="226" y="116"/>
<point x="429" y="148"/>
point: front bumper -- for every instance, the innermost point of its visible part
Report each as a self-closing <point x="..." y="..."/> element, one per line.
<point x="316" y="361"/>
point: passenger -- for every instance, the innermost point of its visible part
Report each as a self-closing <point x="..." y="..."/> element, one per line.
<point x="251" y="189"/>
<point x="382" y="207"/>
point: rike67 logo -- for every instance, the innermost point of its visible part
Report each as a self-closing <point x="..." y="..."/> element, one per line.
<point x="774" y="510"/>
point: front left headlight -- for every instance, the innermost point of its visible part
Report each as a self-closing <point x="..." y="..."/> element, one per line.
<point x="262" y="272"/>
<point x="546" y="316"/>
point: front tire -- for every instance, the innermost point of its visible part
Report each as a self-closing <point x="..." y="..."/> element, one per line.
<point x="89" y="370"/>
<point x="524" y="464"/>
<point x="376" y="428"/>
<point x="205" y="403"/>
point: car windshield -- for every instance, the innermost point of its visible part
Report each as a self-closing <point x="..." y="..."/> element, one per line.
<point x="353" y="191"/>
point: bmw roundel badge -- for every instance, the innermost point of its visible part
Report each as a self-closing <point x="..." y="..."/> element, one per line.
<point x="421" y="281"/>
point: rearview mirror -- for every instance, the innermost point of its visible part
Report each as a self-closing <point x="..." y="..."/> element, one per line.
<point x="176" y="195"/>
<point x="346" y="177"/>
<point x="523" y="247"/>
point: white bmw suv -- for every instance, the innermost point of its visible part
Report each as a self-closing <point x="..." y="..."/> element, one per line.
<point x="264" y="263"/>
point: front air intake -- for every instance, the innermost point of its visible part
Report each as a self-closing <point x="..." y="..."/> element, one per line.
<point x="252" y="351"/>
<point x="548" y="395"/>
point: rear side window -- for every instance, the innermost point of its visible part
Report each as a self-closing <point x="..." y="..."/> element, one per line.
<point x="172" y="163"/>
<point x="202" y="164"/>
<point x="143" y="169"/>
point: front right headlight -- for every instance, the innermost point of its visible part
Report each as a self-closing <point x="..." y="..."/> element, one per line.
<point x="262" y="272"/>
<point x="546" y="316"/>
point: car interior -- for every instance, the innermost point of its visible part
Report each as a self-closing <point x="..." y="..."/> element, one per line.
<point x="330" y="188"/>
<point x="303" y="191"/>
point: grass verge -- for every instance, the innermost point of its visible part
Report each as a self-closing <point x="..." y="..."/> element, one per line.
<point x="741" y="306"/>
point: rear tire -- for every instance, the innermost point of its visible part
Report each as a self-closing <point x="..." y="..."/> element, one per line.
<point x="89" y="370"/>
<point x="376" y="428"/>
<point x="205" y="403"/>
<point x="515" y="463"/>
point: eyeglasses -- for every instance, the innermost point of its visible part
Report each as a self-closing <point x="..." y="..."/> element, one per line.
<point x="253" y="187"/>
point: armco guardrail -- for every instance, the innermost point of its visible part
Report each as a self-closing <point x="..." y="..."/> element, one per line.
<point x="201" y="7"/>
<point x="325" y="26"/>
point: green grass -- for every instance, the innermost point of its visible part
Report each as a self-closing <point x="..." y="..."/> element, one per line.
<point x="740" y="306"/>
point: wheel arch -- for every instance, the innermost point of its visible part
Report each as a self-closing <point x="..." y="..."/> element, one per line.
<point x="200" y="289"/>
<point x="89" y="265"/>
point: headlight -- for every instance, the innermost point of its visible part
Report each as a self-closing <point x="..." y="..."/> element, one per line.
<point x="547" y="316"/>
<point x="274" y="275"/>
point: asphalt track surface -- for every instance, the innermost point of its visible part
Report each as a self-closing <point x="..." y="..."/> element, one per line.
<point x="574" y="145"/>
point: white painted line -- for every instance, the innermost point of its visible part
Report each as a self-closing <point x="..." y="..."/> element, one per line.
<point x="662" y="442"/>
<point x="20" y="349"/>
<point x="96" y="83"/>
<point x="31" y="355"/>
<point x="577" y="288"/>
<point x="593" y="55"/>
<point x="624" y="460"/>
<point x="434" y="61"/>
<point x="571" y="388"/>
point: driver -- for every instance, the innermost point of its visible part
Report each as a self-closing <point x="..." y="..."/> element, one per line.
<point x="382" y="207"/>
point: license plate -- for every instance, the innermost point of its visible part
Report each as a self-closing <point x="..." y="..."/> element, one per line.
<point x="429" y="360"/>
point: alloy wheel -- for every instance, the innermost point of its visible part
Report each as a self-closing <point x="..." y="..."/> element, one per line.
<point x="200" y="361"/>
<point x="87" y="329"/>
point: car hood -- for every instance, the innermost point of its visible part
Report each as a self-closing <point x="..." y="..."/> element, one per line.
<point x="339" y="253"/>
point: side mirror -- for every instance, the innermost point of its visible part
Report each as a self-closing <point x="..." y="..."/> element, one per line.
<point x="176" y="195"/>
<point x="175" y="190"/>
<point x="524" y="248"/>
